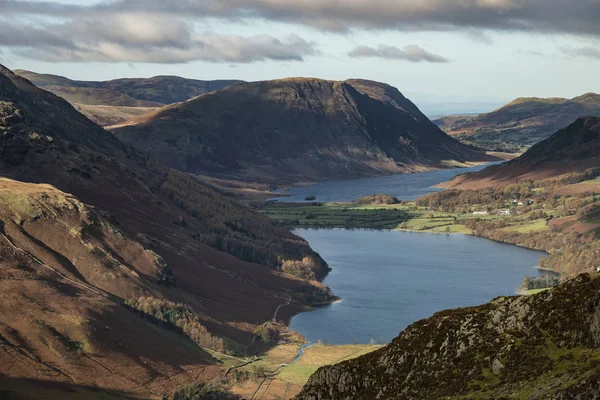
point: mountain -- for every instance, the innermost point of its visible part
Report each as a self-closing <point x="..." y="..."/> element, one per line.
<point x="523" y="122"/>
<point x="121" y="276"/>
<point x="296" y="129"/>
<point x="545" y="346"/>
<point x="114" y="101"/>
<point x="573" y="149"/>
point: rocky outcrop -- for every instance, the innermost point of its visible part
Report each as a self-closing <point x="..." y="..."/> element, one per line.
<point x="540" y="347"/>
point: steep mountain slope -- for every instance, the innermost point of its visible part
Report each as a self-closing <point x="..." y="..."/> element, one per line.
<point x="63" y="268"/>
<point x="111" y="102"/>
<point x="116" y="225"/>
<point x="545" y="346"/>
<point x="296" y="129"/>
<point x="573" y="149"/>
<point x="522" y="122"/>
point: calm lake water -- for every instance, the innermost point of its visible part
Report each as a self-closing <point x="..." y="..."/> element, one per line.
<point x="390" y="279"/>
<point x="403" y="186"/>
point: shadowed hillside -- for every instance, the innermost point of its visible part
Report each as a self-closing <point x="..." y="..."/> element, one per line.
<point x="573" y="149"/>
<point x="88" y="224"/>
<point x="294" y="130"/>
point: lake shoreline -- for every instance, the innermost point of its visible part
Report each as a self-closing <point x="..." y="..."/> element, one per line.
<point x="355" y="286"/>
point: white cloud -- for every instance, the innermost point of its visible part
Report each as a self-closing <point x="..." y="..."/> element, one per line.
<point x="145" y="38"/>
<point x="412" y="53"/>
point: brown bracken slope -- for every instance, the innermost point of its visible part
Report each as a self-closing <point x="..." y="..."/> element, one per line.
<point x="87" y="223"/>
<point x="573" y="149"/>
<point x="296" y="129"/>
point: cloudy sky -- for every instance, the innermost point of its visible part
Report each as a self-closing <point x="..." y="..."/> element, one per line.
<point x="460" y="51"/>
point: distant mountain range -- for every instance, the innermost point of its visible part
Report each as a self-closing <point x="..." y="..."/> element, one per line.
<point x="294" y="130"/>
<point x="572" y="149"/>
<point x="523" y="122"/>
<point x="111" y="102"/>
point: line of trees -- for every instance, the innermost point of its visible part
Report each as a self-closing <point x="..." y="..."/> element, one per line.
<point x="180" y="316"/>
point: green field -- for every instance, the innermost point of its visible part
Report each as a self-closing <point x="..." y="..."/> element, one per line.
<point x="528" y="226"/>
<point x="407" y="216"/>
<point x="339" y="215"/>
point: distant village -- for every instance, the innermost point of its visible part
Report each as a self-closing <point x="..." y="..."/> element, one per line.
<point x="506" y="211"/>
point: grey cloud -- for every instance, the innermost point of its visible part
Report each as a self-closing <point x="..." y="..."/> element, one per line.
<point x="554" y="16"/>
<point x="411" y="53"/>
<point x="582" y="52"/>
<point x="147" y="39"/>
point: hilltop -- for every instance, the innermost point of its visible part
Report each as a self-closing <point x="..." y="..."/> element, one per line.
<point x="572" y="149"/>
<point x="121" y="274"/>
<point x="537" y="347"/>
<point x="294" y="130"/>
<point x="111" y="102"/>
<point x="522" y="122"/>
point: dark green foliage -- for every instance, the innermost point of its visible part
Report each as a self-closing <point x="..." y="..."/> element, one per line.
<point x="240" y="231"/>
<point x="267" y="333"/>
<point x="180" y="316"/>
<point x="377" y="199"/>
<point x="201" y="392"/>
<point x="540" y="282"/>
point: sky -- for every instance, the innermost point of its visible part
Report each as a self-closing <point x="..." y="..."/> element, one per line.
<point x="463" y="55"/>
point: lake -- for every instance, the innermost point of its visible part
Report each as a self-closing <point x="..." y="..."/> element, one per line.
<point x="390" y="279"/>
<point x="403" y="186"/>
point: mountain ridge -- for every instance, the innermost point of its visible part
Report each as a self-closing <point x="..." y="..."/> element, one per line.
<point x="296" y="129"/>
<point x="113" y="101"/>
<point x="572" y="149"/>
<point x="522" y="122"/>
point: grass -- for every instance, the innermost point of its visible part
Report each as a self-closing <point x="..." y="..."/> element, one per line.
<point x="338" y="215"/>
<point x="595" y="181"/>
<point x="320" y="355"/>
<point x="528" y="226"/>
<point x="290" y="379"/>
<point x="407" y="216"/>
<point x="531" y="292"/>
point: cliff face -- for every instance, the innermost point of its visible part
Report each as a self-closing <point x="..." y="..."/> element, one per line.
<point x="545" y="346"/>
<point x="296" y="129"/>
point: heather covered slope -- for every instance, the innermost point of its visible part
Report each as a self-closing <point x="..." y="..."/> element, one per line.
<point x="572" y="149"/>
<point x="119" y="226"/>
<point x="523" y="122"/>
<point x="545" y="346"/>
<point x="296" y="129"/>
<point x="64" y="271"/>
<point x="114" y="101"/>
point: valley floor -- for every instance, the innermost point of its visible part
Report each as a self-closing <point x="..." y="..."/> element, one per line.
<point x="281" y="373"/>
